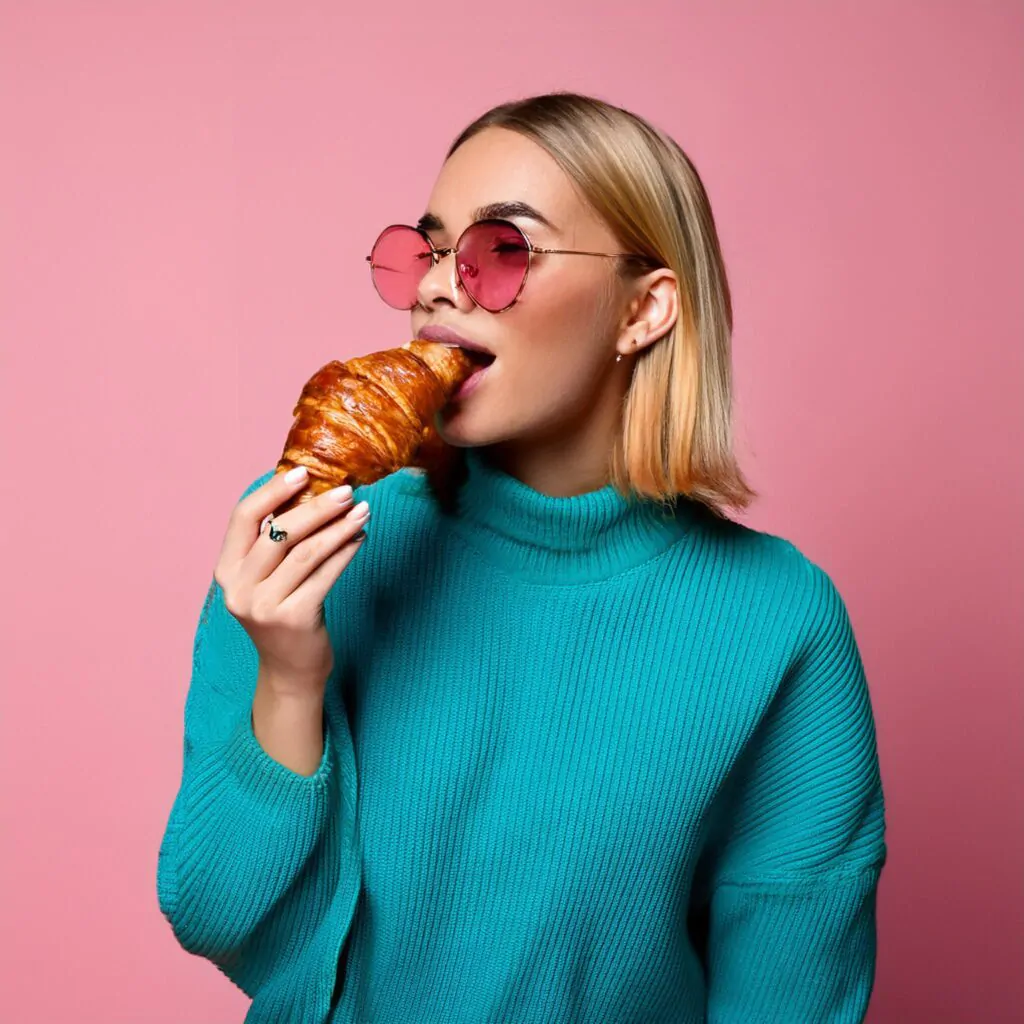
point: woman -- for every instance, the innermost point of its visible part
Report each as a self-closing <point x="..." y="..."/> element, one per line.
<point x="579" y="748"/>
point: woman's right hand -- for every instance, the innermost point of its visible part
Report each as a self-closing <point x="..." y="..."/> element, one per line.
<point x="276" y="589"/>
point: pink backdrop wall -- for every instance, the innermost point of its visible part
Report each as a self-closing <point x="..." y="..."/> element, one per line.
<point x="187" y="192"/>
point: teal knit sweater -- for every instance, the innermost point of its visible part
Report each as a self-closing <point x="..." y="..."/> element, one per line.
<point x="584" y="761"/>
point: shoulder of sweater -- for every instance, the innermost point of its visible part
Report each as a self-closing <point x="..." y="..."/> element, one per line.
<point x="774" y="579"/>
<point x="820" y="635"/>
<point x="756" y="556"/>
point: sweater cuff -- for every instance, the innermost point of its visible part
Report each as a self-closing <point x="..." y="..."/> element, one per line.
<point x="270" y="782"/>
<point x="245" y="827"/>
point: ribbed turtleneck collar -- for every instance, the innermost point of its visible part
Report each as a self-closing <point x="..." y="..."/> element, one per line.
<point x="558" y="540"/>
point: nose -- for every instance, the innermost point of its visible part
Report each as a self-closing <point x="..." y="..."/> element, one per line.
<point x="441" y="285"/>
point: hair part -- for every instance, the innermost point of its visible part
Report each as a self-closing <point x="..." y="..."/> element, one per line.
<point x="676" y="436"/>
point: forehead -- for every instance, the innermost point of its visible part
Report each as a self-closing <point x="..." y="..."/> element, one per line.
<point x="499" y="165"/>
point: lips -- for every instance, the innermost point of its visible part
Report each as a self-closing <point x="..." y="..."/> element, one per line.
<point x="480" y="354"/>
<point x="470" y="384"/>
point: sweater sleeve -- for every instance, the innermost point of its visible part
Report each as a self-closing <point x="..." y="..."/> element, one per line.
<point x="242" y="825"/>
<point x="792" y="894"/>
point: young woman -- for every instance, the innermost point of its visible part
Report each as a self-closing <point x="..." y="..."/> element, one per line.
<point x="580" y="748"/>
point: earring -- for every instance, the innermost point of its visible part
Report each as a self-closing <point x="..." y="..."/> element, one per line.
<point x="618" y="358"/>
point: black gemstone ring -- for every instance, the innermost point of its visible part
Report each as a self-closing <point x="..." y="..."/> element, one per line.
<point x="276" y="534"/>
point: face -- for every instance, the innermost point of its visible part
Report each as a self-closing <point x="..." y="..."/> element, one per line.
<point x="555" y="348"/>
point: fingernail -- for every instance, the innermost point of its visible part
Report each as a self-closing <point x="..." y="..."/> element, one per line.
<point x="293" y="476"/>
<point x="362" y="509"/>
<point x="341" y="494"/>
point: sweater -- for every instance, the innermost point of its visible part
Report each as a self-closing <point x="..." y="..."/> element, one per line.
<point x="587" y="759"/>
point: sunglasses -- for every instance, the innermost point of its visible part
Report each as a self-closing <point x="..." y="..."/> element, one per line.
<point x="492" y="261"/>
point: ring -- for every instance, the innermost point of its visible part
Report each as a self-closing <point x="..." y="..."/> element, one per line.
<point x="275" y="534"/>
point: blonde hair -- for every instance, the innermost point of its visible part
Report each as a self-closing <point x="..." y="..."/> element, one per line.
<point x="676" y="433"/>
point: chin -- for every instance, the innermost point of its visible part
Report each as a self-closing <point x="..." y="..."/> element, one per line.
<point x="457" y="436"/>
<point x="461" y="429"/>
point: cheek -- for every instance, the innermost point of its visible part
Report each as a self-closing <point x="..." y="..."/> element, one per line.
<point x="559" y="325"/>
<point x="553" y="365"/>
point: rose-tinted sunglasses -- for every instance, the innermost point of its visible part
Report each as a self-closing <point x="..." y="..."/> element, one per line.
<point x="492" y="260"/>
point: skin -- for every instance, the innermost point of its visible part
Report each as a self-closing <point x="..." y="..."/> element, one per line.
<point x="548" y="412"/>
<point x="549" y="408"/>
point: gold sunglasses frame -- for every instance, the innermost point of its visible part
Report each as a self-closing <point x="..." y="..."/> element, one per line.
<point x="438" y="253"/>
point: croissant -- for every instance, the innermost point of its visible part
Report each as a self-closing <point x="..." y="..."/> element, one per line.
<point x="362" y="419"/>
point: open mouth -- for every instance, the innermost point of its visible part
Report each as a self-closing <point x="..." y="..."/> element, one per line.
<point x="480" y="358"/>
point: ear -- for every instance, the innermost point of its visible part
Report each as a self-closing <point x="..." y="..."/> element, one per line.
<point x="653" y="310"/>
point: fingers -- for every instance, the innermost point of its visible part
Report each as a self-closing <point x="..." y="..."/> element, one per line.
<point x="307" y="557"/>
<point x="298" y="523"/>
<point x="243" y="526"/>
<point x="313" y="590"/>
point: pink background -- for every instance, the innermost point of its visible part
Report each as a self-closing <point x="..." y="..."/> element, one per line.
<point x="187" y="192"/>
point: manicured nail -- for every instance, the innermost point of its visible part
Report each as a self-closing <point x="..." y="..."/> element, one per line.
<point x="341" y="494"/>
<point x="293" y="476"/>
<point x="360" y="511"/>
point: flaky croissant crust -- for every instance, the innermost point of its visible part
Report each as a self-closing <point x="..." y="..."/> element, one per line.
<point x="362" y="419"/>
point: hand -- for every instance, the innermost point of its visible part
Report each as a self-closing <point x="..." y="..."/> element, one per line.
<point x="276" y="589"/>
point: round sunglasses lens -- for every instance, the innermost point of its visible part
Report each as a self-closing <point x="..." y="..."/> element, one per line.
<point x="399" y="259"/>
<point x="493" y="259"/>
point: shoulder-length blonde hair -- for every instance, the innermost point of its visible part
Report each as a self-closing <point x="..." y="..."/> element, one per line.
<point x="677" y="417"/>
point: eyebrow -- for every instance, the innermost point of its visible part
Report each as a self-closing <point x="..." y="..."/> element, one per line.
<point x="492" y="211"/>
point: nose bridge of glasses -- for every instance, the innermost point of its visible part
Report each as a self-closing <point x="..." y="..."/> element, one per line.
<point x="438" y="253"/>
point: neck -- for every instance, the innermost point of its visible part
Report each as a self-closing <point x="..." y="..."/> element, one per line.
<point x="570" y="460"/>
<point x="558" y="470"/>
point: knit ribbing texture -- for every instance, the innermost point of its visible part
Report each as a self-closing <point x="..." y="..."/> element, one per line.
<point x="586" y="760"/>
